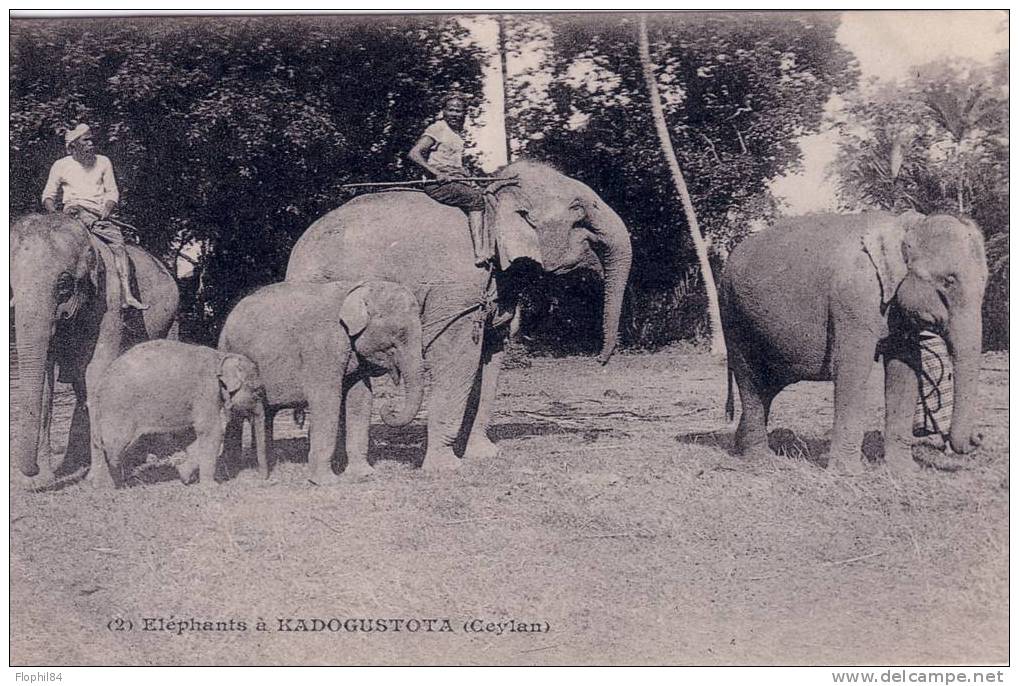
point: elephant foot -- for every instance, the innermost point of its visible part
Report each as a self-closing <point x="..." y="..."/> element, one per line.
<point x="208" y="485"/>
<point x="846" y="465"/>
<point x="324" y="477"/>
<point x="481" y="448"/>
<point x="357" y="471"/>
<point x="56" y="462"/>
<point x="186" y="470"/>
<point x="40" y="482"/>
<point x="440" y="460"/>
<point x="750" y="447"/>
<point x="900" y="460"/>
<point x="757" y="451"/>
<point x="102" y="479"/>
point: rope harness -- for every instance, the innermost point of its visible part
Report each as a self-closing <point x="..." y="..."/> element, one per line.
<point x="483" y="310"/>
<point x="934" y="410"/>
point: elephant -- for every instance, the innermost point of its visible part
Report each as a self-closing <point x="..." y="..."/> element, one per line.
<point x="318" y="346"/>
<point x="822" y="297"/>
<point x="405" y="236"/>
<point x="68" y="315"/>
<point x="166" y="386"/>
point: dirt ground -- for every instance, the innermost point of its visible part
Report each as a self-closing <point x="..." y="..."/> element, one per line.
<point x="614" y="526"/>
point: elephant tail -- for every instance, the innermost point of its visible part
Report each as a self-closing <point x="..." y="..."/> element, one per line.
<point x="729" y="404"/>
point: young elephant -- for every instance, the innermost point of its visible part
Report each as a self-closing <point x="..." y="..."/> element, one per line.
<point x="318" y="345"/>
<point x="164" y="386"/>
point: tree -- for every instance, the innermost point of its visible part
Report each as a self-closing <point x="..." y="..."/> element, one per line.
<point x="714" y="313"/>
<point x="737" y="93"/>
<point x="231" y="133"/>
<point x="937" y="142"/>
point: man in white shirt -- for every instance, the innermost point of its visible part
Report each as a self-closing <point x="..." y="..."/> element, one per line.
<point x="439" y="151"/>
<point x="89" y="192"/>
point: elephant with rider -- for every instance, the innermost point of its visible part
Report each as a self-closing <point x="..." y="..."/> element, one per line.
<point x="68" y="317"/>
<point x="407" y="237"/>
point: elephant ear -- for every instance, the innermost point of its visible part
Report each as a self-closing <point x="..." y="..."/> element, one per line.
<point x="231" y="374"/>
<point x="515" y="235"/>
<point x="884" y="244"/>
<point x="75" y="286"/>
<point x="354" y="312"/>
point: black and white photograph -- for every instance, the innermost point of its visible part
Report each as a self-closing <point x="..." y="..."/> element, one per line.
<point x="509" y="339"/>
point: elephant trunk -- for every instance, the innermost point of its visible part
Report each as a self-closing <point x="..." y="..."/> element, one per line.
<point x="33" y="338"/>
<point x="616" y="255"/>
<point x="964" y="339"/>
<point x="410" y="386"/>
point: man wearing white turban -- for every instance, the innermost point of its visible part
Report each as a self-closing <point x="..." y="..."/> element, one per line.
<point x="89" y="192"/>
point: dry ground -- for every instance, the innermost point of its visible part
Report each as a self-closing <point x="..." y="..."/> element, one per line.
<point x="614" y="514"/>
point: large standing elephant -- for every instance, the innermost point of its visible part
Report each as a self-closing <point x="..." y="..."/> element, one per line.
<point x="67" y="314"/>
<point x="406" y="237"/>
<point x="821" y="297"/>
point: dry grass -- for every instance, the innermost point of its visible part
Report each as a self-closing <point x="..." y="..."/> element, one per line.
<point x="614" y="513"/>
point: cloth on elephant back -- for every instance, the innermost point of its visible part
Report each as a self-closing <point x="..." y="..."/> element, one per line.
<point x="106" y="231"/>
<point x="933" y="414"/>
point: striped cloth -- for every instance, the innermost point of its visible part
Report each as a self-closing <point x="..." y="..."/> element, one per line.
<point x="933" y="414"/>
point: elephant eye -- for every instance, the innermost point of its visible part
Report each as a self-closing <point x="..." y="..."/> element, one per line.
<point x="950" y="280"/>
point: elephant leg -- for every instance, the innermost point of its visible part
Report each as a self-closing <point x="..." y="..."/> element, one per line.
<point x="106" y="471"/>
<point x="324" y="411"/>
<point x="257" y="421"/>
<point x="233" y="440"/>
<point x="752" y="431"/>
<point x="479" y="445"/>
<point x="78" y="449"/>
<point x="205" y="450"/>
<point x="93" y="373"/>
<point x="267" y="435"/>
<point x="357" y="409"/>
<point x="901" y="392"/>
<point x="852" y="371"/>
<point x="755" y="396"/>
<point x="453" y="360"/>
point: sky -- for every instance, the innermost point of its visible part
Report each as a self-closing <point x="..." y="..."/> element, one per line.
<point x="886" y="44"/>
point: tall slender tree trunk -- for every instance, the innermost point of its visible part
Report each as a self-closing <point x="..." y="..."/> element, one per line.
<point x="501" y="21"/>
<point x="714" y="313"/>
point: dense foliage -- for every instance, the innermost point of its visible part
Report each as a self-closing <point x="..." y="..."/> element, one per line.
<point x="738" y="90"/>
<point x="234" y="134"/>
<point x="937" y="142"/>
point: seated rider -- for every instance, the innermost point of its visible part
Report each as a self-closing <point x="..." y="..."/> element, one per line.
<point x="439" y="152"/>
<point x="89" y="191"/>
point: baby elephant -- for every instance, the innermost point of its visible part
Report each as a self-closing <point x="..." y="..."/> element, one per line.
<point x="318" y="345"/>
<point x="163" y="386"/>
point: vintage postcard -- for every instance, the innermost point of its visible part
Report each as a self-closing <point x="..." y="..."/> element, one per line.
<point x="676" y="338"/>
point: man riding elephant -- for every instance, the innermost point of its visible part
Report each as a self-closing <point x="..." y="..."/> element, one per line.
<point x="439" y="151"/>
<point x="88" y="187"/>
